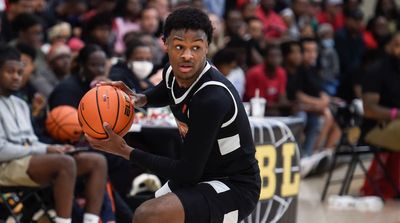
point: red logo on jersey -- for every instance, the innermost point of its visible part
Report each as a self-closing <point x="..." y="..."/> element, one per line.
<point x="182" y="127"/>
<point x="184" y="108"/>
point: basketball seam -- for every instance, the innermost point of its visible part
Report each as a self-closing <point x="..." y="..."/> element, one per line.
<point x="116" y="119"/>
<point x="98" y="109"/>
<point x="55" y="120"/>
<point x="65" y="116"/>
<point x="67" y="133"/>
<point x="87" y="123"/>
<point x="126" y="125"/>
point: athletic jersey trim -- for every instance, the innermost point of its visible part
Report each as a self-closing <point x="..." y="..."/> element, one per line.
<point x="180" y="99"/>
<point x="217" y="83"/>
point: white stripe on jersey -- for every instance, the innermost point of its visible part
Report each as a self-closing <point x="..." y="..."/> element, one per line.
<point x="167" y="76"/>
<point x="217" y="83"/>
<point x="231" y="217"/>
<point x="229" y="144"/>
<point x="218" y="186"/>
<point x="179" y="100"/>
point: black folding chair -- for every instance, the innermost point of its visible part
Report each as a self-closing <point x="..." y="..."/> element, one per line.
<point x="349" y="120"/>
<point x="31" y="199"/>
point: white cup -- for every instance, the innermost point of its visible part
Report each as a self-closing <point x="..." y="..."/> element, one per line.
<point x="258" y="106"/>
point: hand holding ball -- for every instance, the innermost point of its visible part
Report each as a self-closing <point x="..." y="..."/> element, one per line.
<point x="109" y="104"/>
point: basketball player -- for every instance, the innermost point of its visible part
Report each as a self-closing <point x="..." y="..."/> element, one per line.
<point x="216" y="178"/>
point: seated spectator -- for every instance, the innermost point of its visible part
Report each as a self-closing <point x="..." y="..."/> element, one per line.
<point x="270" y="79"/>
<point x="274" y="26"/>
<point x="35" y="100"/>
<point x="91" y="68"/>
<point x="28" y="55"/>
<point x="59" y="61"/>
<point x="378" y="33"/>
<point x="249" y="9"/>
<point x="149" y="21"/>
<point x="235" y="31"/>
<point x="381" y="98"/>
<point x="226" y="62"/>
<point x="218" y="41"/>
<point x="332" y="14"/>
<point x="313" y="100"/>
<point x="350" y="46"/>
<point x="292" y="61"/>
<point x="292" y="32"/>
<point x="305" y="22"/>
<point x="163" y="7"/>
<point x="370" y="57"/>
<point x="257" y="40"/>
<point x="136" y="68"/>
<point x="328" y="59"/>
<point x="127" y="20"/>
<point x="29" y="31"/>
<point x="98" y="30"/>
<point x="389" y="10"/>
<point x="23" y="156"/>
<point x="14" y="8"/>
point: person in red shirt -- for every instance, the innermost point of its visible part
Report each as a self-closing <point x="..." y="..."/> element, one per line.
<point x="270" y="78"/>
<point x="332" y="14"/>
<point x="274" y="26"/>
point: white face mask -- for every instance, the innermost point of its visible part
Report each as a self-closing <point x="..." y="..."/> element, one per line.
<point x="141" y="69"/>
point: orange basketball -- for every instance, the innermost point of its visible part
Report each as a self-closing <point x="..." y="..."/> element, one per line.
<point x="105" y="104"/>
<point x="62" y="124"/>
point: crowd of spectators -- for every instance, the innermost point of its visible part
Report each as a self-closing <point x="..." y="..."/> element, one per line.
<point x="302" y="56"/>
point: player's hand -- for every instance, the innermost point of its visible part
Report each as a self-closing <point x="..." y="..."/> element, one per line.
<point x="139" y="100"/>
<point x="114" y="144"/>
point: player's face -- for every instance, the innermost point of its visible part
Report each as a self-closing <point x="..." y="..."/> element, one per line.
<point x="187" y="50"/>
<point x="11" y="76"/>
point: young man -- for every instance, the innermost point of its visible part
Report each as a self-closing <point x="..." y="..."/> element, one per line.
<point x="381" y="98"/>
<point x="270" y="79"/>
<point x="24" y="161"/>
<point x="216" y="178"/>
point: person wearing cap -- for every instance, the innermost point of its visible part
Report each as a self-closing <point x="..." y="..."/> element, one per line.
<point x="59" y="60"/>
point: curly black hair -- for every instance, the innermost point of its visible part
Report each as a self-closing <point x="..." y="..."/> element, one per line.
<point x="188" y="18"/>
<point x="8" y="53"/>
<point x="25" y="21"/>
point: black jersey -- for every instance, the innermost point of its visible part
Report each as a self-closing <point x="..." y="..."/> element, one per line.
<point x="217" y="140"/>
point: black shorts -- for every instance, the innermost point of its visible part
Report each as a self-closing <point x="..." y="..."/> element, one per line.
<point x="218" y="201"/>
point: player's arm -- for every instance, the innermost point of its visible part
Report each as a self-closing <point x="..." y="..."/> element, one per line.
<point x="156" y="96"/>
<point x="206" y="117"/>
<point x="207" y="112"/>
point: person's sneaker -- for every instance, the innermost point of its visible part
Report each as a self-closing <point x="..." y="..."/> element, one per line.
<point x="316" y="164"/>
<point x="306" y="166"/>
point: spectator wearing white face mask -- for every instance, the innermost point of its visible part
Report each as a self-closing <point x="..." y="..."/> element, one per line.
<point x="136" y="68"/>
<point x="329" y="59"/>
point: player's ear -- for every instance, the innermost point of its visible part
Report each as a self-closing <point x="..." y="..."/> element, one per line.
<point x="165" y="46"/>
